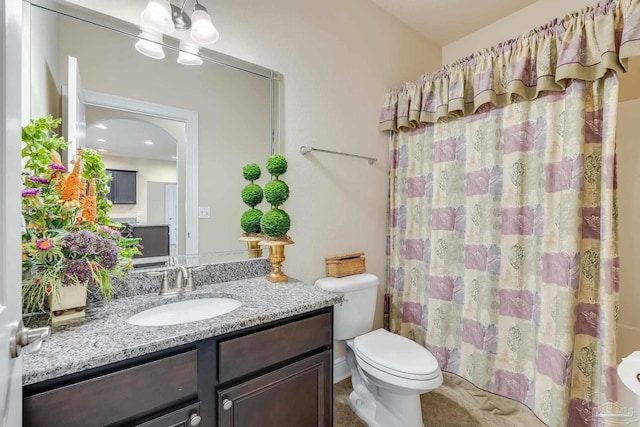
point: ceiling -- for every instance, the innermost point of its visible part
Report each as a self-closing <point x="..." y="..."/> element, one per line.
<point x="124" y="134"/>
<point x="444" y="21"/>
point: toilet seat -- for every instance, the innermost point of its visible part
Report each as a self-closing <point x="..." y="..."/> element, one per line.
<point x="396" y="355"/>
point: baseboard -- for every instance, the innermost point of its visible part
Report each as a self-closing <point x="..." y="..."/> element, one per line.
<point x="340" y="370"/>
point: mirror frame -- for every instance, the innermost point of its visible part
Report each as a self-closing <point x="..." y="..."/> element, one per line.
<point x="190" y="118"/>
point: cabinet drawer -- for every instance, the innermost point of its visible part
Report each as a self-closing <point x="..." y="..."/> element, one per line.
<point x="117" y="396"/>
<point x="243" y="355"/>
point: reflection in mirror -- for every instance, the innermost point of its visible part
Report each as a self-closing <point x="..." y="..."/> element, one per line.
<point x="135" y="145"/>
<point x="232" y="106"/>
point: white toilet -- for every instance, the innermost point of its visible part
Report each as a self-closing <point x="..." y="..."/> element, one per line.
<point x="388" y="372"/>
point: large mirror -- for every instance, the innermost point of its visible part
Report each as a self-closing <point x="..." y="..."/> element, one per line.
<point x="181" y="132"/>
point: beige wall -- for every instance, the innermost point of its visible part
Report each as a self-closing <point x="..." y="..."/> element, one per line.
<point x="338" y="59"/>
<point x="148" y="170"/>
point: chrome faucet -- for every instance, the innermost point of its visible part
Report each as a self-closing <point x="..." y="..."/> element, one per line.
<point x="182" y="274"/>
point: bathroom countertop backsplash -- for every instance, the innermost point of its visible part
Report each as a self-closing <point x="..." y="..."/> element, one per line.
<point x="104" y="336"/>
<point x="139" y="282"/>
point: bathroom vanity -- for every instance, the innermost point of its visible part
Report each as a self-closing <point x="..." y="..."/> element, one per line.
<point x="267" y="363"/>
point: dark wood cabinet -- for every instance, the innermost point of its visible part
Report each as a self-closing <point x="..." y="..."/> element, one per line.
<point x="276" y="374"/>
<point x="295" y="395"/>
<point x="122" y="188"/>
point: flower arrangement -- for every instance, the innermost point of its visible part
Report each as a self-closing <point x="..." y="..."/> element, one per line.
<point x="68" y="238"/>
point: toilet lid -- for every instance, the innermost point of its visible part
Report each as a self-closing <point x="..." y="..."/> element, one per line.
<point x="396" y="355"/>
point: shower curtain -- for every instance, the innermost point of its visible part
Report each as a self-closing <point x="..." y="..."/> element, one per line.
<point x="502" y="246"/>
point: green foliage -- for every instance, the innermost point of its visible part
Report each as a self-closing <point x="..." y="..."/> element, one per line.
<point x="252" y="195"/>
<point x="276" y="165"/>
<point x="39" y="139"/>
<point x="251" y="172"/>
<point x="275" y="223"/>
<point x="250" y="221"/>
<point x="67" y="238"/>
<point x="93" y="167"/>
<point x="276" y="192"/>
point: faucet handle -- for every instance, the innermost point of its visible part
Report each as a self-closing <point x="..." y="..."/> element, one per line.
<point x="164" y="286"/>
<point x="191" y="286"/>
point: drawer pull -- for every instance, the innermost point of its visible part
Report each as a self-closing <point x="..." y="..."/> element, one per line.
<point x="227" y="404"/>
<point x="194" y="419"/>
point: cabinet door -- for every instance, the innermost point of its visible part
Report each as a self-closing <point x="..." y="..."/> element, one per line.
<point x="298" y="395"/>
<point x="124" y="187"/>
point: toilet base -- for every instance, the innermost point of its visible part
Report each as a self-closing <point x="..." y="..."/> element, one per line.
<point x="372" y="402"/>
<point x="377" y="415"/>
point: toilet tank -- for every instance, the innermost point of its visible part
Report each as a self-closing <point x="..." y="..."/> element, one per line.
<point x="354" y="316"/>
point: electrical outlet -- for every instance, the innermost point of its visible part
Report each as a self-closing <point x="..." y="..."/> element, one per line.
<point x="204" y="212"/>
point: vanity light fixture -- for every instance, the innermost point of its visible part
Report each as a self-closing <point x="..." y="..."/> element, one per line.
<point x="158" y="15"/>
<point x="150" y="44"/>
<point x="165" y="17"/>
<point x="188" y="54"/>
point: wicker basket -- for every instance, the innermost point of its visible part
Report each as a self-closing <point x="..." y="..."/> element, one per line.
<point x="345" y="265"/>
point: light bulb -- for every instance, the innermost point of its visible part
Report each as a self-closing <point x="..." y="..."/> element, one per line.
<point x="188" y="54"/>
<point x="157" y="15"/>
<point x="150" y="44"/>
<point x="202" y="30"/>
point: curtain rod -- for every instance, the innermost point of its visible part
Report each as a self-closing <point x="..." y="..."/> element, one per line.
<point x="304" y="150"/>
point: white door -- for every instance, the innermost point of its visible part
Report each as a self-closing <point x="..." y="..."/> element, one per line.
<point x="10" y="164"/>
<point x="170" y="211"/>
<point x="73" y="110"/>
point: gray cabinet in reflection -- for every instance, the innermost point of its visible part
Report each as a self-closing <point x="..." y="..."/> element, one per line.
<point x="122" y="188"/>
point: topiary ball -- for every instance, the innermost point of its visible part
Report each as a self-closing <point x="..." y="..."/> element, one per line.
<point x="252" y="194"/>
<point x="276" y="165"/>
<point x="276" y="192"/>
<point x="251" y="172"/>
<point x="275" y="223"/>
<point x="250" y="221"/>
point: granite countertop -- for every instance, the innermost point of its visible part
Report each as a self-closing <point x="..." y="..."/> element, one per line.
<point x="104" y="336"/>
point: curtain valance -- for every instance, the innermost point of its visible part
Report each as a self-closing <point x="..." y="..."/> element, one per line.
<point x="584" y="45"/>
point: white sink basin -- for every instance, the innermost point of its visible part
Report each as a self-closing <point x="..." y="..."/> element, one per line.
<point x="184" y="312"/>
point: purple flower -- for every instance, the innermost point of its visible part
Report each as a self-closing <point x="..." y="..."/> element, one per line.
<point x="39" y="180"/>
<point x="30" y="192"/>
<point x="45" y="245"/>
<point x="57" y="167"/>
<point x="110" y="231"/>
<point x="75" y="270"/>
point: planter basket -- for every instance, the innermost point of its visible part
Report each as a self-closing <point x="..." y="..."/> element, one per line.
<point x="68" y="303"/>
<point x="345" y="265"/>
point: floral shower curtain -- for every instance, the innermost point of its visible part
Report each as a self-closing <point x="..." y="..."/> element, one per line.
<point x="502" y="247"/>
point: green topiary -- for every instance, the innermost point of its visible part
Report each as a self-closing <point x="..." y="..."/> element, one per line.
<point x="276" y="192"/>
<point x="250" y="221"/>
<point x="275" y="223"/>
<point x="252" y="194"/>
<point x="251" y="172"/>
<point x="276" y="165"/>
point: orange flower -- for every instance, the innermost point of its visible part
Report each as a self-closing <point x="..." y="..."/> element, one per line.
<point x="89" y="209"/>
<point x="73" y="185"/>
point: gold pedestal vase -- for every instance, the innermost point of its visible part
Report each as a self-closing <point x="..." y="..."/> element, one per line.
<point x="67" y="303"/>
<point x="276" y="258"/>
<point x="253" y="245"/>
